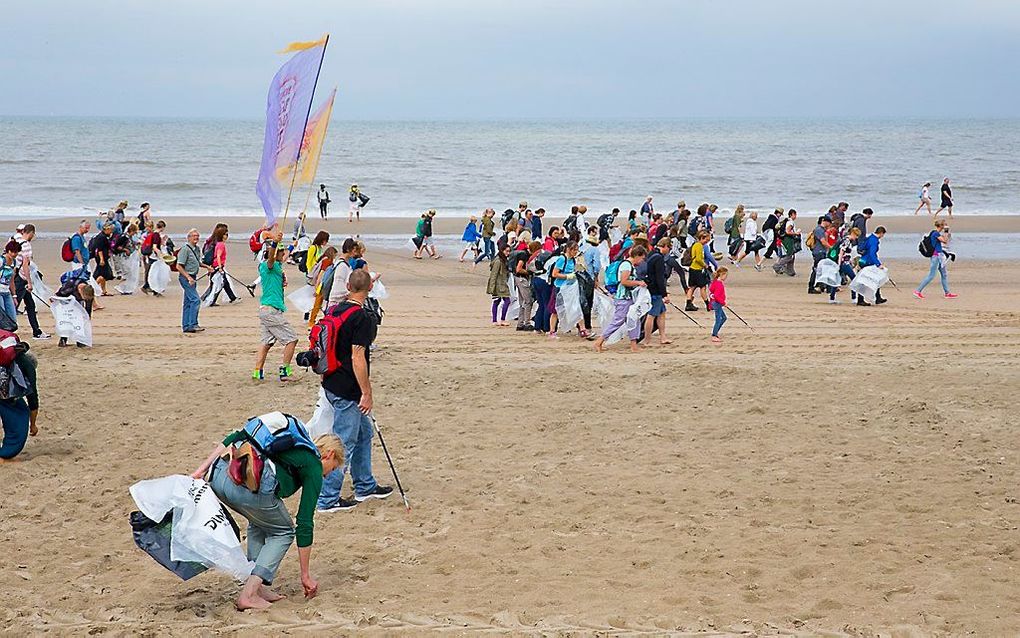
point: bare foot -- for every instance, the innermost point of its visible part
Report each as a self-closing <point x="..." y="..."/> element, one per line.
<point x="33" y="430"/>
<point x="665" y="342"/>
<point x="255" y="602"/>
<point x="14" y="460"/>
<point x="269" y="595"/>
<point x="598" y="346"/>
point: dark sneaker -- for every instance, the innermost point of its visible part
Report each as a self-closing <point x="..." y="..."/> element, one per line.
<point x="341" y="505"/>
<point x="690" y="307"/>
<point x="526" y="328"/>
<point x="880" y="300"/>
<point x="380" y="491"/>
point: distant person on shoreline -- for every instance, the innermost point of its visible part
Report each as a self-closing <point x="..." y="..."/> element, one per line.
<point x="947" y="198"/>
<point x="323" y="196"/>
<point x="925" y="197"/>
<point x="144" y="215"/>
<point x="358" y="201"/>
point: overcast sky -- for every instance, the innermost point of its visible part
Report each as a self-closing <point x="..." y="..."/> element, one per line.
<point x="428" y="59"/>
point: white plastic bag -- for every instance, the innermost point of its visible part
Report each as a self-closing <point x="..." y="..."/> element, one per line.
<point x="303" y="298"/>
<point x="132" y="269"/>
<point x="642" y="306"/>
<point x="827" y="273"/>
<point x="38" y="287"/>
<point x="71" y="320"/>
<point x="378" y="290"/>
<point x="568" y="307"/>
<point x="868" y="281"/>
<point x="216" y="280"/>
<point x="513" y="312"/>
<point x="159" y="276"/>
<point x="602" y="307"/>
<point x="200" y="531"/>
<point x="322" y="418"/>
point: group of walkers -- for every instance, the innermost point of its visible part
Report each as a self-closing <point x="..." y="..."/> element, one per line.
<point x="357" y="200"/>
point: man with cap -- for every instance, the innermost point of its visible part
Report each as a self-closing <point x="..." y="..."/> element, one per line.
<point x="323" y="196"/>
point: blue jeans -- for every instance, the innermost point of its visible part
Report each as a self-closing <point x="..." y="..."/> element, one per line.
<point x="845" y="270"/>
<point x="720" y="318"/>
<point x="14" y="414"/>
<point x="355" y="430"/>
<point x="541" y="291"/>
<point x="7" y="305"/>
<point x="938" y="264"/>
<point x="270" y="527"/>
<point x="489" y="250"/>
<point x="192" y="302"/>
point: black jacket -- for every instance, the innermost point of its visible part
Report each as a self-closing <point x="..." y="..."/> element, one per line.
<point x="655" y="275"/>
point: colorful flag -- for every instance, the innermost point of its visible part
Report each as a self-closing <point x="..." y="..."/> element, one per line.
<point x="315" y="135"/>
<point x="287" y="108"/>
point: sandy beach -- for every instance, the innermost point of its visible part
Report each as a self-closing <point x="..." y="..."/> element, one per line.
<point x="446" y="225"/>
<point x="839" y="469"/>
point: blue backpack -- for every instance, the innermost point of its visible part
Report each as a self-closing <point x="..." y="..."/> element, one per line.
<point x="276" y="432"/>
<point x="613" y="276"/>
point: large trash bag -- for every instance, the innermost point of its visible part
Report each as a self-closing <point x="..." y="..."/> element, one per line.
<point x="71" y="320"/>
<point x="303" y="298"/>
<point x="378" y="290"/>
<point x="132" y="270"/>
<point x="568" y="307"/>
<point x="513" y="312"/>
<point x="868" y="281"/>
<point x="159" y="276"/>
<point x="216" y="279"/>
<point x="200" y="528"/>
<point x="827" y="273"/>
<point x="41" y="290"/>
<point x="602" y="309"/>
<point x="603" y="256"/>
<point x="322" y="418"/>
<point x="642" y="304"/>
<point x="154" y="539"/>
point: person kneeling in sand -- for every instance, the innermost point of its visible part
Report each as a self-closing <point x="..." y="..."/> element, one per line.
<point x="270" y="527"/>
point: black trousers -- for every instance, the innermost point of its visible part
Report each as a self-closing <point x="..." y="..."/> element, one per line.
<point x="22" y="294"/>
<point x="322" y="209"/>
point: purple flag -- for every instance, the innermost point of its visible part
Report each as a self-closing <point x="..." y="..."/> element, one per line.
<point x="287" y="107"/>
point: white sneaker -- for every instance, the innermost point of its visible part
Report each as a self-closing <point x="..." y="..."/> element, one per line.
<point x="42" y="336"/>
<point x="834" y="301"/>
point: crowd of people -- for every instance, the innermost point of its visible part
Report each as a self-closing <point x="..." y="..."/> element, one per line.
<point x="606" y="256"/>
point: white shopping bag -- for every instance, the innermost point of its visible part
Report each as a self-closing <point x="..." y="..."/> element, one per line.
<point x="827" y="273"/>
<point x="602" y="308"/>
<point x="200" y="531"/>
<point x="322" y="418"/>
<point x="303" y="298"/>
<point x="378" y="290"/>
<point x="71" y="320"/>
<point x="568" y="307"/>
<point x="132" y="270"/>
<point x="868" y="281"/>
<point x="159" y="276"/>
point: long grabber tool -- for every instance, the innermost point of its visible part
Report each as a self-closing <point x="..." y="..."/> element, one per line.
<point x="389" y="459"/>
<point x="684" y="313"/>
<point x="739" y="317"/>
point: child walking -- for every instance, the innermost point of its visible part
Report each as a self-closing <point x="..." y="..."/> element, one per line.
<point x="717" y="297"/>
<point x="471" y="237"/>
<point x="499" y="286"/>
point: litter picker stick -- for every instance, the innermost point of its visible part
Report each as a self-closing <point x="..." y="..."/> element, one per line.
<point x="684" y="313"/>
<point x="389" y="459"/>
<point x="739" y="317"/>
<point x="894" y="284"/>
<point x="43" y="301"/>
<point x="249" y="287"/>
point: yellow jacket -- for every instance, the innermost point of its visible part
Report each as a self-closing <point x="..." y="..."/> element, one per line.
<point x="312" y="257"/>
<point x="698" y="256"/>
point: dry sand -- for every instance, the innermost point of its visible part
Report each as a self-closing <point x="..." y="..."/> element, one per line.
<point x="840" y="469"/>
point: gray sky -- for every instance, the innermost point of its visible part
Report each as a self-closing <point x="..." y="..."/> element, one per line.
<point x="427" y="59"/>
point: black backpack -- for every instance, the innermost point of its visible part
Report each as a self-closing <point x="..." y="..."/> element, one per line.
<point x="925" y="247"/>
<point x="209" y="254"/>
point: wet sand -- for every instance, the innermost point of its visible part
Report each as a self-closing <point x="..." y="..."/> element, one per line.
<point x="840" y="469"/>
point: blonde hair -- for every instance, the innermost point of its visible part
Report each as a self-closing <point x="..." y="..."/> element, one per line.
<point x="739" y="209"/>
<point x="330" y="443"/>
<point x="722" y="272"/>
<point x="940" y="223"/>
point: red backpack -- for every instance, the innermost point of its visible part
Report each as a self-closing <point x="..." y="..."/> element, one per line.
<point x="323" y="338"/>
<point x="8" y="340"/>
<point x="255" y="241"/>
<point x="66" y="253"/>
<point x="615" y="249"/>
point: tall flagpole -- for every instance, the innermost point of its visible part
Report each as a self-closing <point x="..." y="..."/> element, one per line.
<point x="325" y="128"/>
<point x="304" y="130"/>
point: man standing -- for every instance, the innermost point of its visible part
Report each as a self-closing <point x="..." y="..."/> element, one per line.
<point x="860" y="221"/>
<point x="947" y="198"/>
<point x="272" y="310"/>
<point x="189" y="261"/>
<point x="80" y="247"/>
<point x="655" y="278"/>
<point x="323" y="196"/>
<point x="839" y="215"/>
<point x="769" y="231"/>
<point x="518" y="265"/>
<point x="101" y="248"/>
<point x="791" y="246"/>
<point x="23" y="278"/>
<point x="820" y="245"/>
<point x="349" y="390"/>
<point x="647" y="210"/>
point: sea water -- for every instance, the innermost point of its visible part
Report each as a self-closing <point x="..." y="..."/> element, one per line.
<point x="66" y="166"/>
